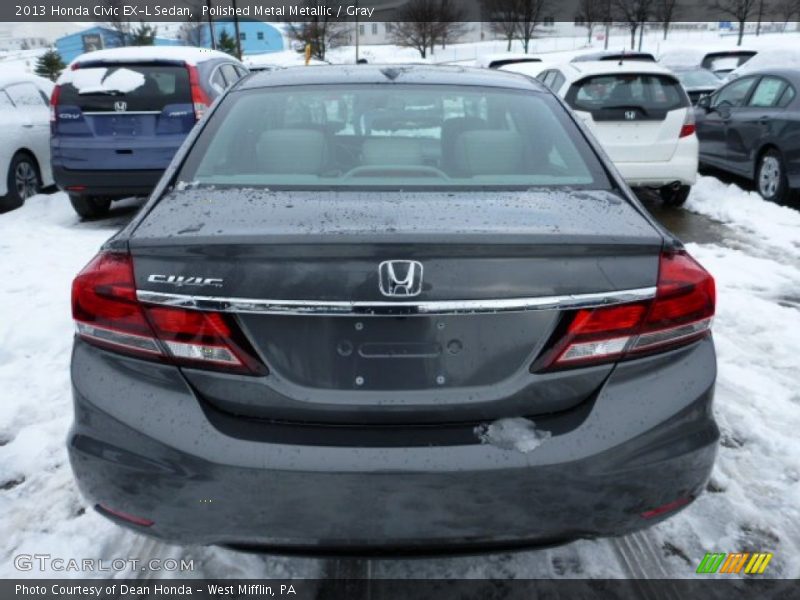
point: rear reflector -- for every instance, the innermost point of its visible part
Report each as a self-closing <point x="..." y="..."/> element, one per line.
<point x="681" y="313"/>
<point x="142" y="522"/>
<point x="108" y="314"/>
<point x="666" y="508"/>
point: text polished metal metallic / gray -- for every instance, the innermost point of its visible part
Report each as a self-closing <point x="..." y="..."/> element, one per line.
<point x="367" y="308"/>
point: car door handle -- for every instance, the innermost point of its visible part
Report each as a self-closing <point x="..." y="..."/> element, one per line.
<point x="28" y="125"/>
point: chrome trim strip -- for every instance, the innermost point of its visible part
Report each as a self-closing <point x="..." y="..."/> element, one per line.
<point x="125" y="112"/>
<point x="378" y="308"/>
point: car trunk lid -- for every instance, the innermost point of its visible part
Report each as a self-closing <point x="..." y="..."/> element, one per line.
<point x="301" y="273"/>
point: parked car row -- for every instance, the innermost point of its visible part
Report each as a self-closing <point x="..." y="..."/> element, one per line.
<point x="641" y="112"/>
<point x="24" y="138"/>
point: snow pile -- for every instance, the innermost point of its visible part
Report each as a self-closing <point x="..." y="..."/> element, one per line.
<point x="44" y="246"/>
<point x="512" y="434"/>
<point x="765" y="223"/>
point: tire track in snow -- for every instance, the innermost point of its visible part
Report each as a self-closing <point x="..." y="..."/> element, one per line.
<point x="640" y="555"/>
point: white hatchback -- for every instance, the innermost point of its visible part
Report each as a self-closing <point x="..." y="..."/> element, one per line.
<point x="24" y="137"/>
<point x="642" y="117"/>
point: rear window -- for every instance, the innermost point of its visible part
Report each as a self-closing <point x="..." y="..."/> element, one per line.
<point x="126" y="87"/>
<point x="698" y="78"/>
<point x="391" y="137"/>
<point x="649" y="93"/>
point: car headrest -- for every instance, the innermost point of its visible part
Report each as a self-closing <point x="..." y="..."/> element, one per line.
<point x="292" y="151"/>
<point x="489" y="152"/>
<point x="391" y="151"/>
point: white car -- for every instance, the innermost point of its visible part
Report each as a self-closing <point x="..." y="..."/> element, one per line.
<point x="24" y="138"/>
<point x="642" y="117"/>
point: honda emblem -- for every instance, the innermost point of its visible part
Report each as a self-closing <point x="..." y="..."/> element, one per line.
<point x="630" y="115"/>
<point x="400" y="278"/>
<point x="120" y="106"/>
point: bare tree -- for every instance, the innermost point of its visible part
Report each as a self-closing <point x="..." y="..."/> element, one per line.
<point x="503" y="17"/>
<point x="421" y="24"/>
<point x="592" y="12"/>
<point x="634" y="14"/>
<point x="117" y="21"/>
<point x="193" y="30"/>
<point x="665" y="12"/>
<point x="740" y="10"/>
<point x="531" y="13"/>
<point x="785" y="10"/>
<point x="320" y="32"/>
<point x="450" y="22"/>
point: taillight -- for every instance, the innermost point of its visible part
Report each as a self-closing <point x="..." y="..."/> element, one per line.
<point x="200" y="100"/>
<point x="688" y="127"/>
<point x="54" y="102"/>
<point x="108" y="314"/>
<point x="680" y="313"/>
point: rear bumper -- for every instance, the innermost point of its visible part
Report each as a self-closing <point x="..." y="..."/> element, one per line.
<point x="110" y="183"/>
<point x="143" y="444"/>
<point x="682" y="167"/>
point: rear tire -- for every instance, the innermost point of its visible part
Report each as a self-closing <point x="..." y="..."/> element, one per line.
<point x="22" y="181"/>
<point x="771" y="180"/>
<point x="674" y="196"/>
<point x="90" y="207"/>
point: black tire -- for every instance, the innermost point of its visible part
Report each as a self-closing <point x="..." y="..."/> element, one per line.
<point x="674" y="196"/>
<point x="771" y="181"/>
<point x="90" y="207"/>
<point x="23" y="181"/>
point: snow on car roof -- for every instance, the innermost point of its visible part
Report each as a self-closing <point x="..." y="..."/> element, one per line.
<point x="43" y="84"/>
<point x="187" y="54"/>
<point x="610" y="67"/>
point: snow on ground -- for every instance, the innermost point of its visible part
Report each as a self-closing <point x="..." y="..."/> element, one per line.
<point x="752" y="502"/>
<point x="43" y="246"/>
<point x="771" y="225"/>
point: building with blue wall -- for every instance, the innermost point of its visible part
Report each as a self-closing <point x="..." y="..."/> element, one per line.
<point x="96" y="38"/>
<point x="256" y="37"/>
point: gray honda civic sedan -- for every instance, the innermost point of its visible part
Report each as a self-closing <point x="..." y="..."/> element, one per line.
<point x="391" y="309"/>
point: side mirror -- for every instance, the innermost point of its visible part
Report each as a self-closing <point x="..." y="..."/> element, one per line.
<point x="704" y="103"/>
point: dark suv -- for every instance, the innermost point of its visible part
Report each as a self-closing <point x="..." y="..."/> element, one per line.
<point x="119" y="115"/>
<point x="384" y="309"/>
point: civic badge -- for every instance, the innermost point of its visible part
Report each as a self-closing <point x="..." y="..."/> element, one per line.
<point x="400" y="278"/>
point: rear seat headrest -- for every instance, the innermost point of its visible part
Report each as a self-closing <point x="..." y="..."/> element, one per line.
<point x="391" y="151"/>
<point x="292" y="151"/>
<point x="489" y="152"/>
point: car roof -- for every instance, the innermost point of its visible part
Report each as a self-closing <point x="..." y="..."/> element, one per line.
<point x="581" y="69"/>
<point x="419" y="74"/>
<point x="186" y="54"/>
<point x="11" y="78"/>
<point x="792" y="75"/>
<point x="611" y="55"/>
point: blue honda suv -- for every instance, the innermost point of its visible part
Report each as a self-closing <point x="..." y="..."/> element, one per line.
<point x="118" y="116"/>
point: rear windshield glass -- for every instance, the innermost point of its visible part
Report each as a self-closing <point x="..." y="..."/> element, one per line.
<point x="133" y="87"/>
<point x="698" y="78"/>
<point x="391" y="137"/>
<point x="627" y="90"/>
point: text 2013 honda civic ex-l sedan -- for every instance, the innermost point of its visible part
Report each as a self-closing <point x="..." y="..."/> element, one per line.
<point x="391" y="309"/>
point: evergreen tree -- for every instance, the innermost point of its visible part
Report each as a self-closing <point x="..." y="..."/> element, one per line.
<point x="144" y="35"/>
<point x="50" y="65"/>
<point x="226" y="43"/>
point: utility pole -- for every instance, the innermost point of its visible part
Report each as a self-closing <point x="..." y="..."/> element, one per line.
<point x="211" y="26"/>
<point x="357" y="34"/>
<point x="236" y="30"/>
